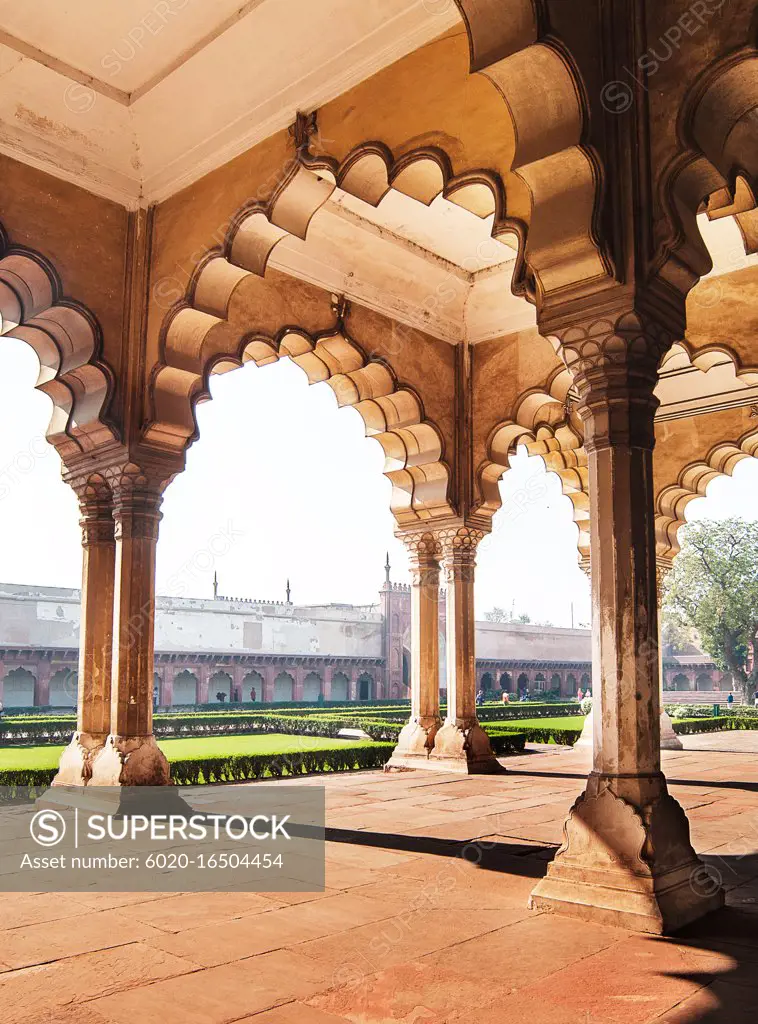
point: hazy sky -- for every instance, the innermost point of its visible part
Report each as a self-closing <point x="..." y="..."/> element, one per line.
<point x="283" y="484"/>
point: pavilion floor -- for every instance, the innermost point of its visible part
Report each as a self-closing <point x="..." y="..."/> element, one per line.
<point x="408" y="929"/>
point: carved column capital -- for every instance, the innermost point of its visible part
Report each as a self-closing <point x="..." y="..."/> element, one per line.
<point x="137" y="497"/>
<point x="459" y="545"/>
<point x="614" y="361"/>
<point x="96" y="508"/>
<point x="424" y="553"/>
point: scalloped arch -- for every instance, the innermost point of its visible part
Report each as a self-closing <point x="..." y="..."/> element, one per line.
<point x="545" y="424"/>
<point x="201" y="340"/>
<point x="717" y="164"/>
<point x="544" y="95"/>
<point x="692" y="482"/>
<point x="66" y="338"/>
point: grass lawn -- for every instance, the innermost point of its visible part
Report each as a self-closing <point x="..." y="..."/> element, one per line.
<point x="211" y="746"/>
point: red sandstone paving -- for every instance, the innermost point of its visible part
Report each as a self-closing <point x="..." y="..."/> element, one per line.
<point x="459" y="947"/>
<point x="40" y="943"/>
<point x="192" y="910"/>
<point x="294" y="1013"/>
<point x="211" y="945"/>
<point x="19" y="909"/>
<point x="37" y="993"/>
<point x="220" y="994"/>
<point x="413" y="933"/>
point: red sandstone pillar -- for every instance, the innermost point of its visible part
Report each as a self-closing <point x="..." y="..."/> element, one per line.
<point x="203" y="681"/>
<point x="626" y="858"/>
<point x="269" y="675"/>
<point x="42" y="685"/>
<point x="297" y="687"/>
<point x="326" y="686"/>
<point x="131" y="755"/>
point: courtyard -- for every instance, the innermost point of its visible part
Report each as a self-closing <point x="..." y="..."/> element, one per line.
<point x="424" y="917"/>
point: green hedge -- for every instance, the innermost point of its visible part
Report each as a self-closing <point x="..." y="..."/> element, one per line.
<point x="236" y="768"/>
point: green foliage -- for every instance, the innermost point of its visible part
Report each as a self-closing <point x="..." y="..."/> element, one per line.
<point x="714" y="590"/>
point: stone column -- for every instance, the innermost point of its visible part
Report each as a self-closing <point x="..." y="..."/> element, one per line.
<point x="298" y="683"/>
<point x="42" y="685"/>
<point x="352" y="685"/>
<point x="131" y="756"/>
<point x="626" y="858"/>
<point x="204" y="673"/>
<point x="669" y="739"/>
<point x="93" y="723"/>
<point x="461" y="745"/>
<point x="169" y="675"/>
<point x="416" y="739"/>
<point x="326" y="686"/>
<point x="269" y="675"/>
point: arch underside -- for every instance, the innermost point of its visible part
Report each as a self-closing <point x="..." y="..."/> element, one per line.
<point x="65" y="338"/>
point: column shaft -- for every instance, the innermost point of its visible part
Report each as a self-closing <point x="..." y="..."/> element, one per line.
<point x="461" y="744"/>
<point x="416" y="739"/>
<point x="93" y="716"/>
<point x="626" y="857"/>
<point x="132" y="756"/>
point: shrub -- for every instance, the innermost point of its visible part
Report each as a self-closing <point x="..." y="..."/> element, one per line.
<point x="586" y="705"/>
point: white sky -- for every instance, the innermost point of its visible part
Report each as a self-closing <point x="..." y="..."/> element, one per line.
<point x="283" y="484"/>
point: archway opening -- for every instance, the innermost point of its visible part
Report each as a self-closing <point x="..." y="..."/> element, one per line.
<point x="339" y="686"/>
<point x="365" y="687"/>
<point x="18" y="689"/>
<point x="283" y="687"/>
<point x="252" y="686"/>
<point x="312" y="686"/>
<point x="64" y="688"/>
<point x="185" y="689"/>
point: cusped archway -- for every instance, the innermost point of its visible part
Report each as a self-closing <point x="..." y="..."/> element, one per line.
<point x="66" y="339"/>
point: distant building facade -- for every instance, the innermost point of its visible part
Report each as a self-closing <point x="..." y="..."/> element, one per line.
<point x="279" y="651"/>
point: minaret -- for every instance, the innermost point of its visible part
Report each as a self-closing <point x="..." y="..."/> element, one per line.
<point x="215" y="586"/>
<point x="288" y="592"/>
<point x="387" y="569"/>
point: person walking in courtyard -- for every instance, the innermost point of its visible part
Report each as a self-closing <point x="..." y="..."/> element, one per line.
<point x="730" y="699"/>
<point x="505" y="698"/>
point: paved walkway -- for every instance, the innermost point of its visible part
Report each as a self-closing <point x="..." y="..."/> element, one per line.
<point x="408" y="930"/>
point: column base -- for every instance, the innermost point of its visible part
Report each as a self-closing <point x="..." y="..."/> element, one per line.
<point x="626" y="864"/>
<point x="464" y="748"/>
<point x="130" y="761"/>
<point x="669" y="739"/>
<point x="414" y="744"/>
<point x="75" y="765"/>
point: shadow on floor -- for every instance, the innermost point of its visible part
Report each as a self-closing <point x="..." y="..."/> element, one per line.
<point x="747" y="787"/>
<point x="528" y="859"/>
<point x="730" y="995"/>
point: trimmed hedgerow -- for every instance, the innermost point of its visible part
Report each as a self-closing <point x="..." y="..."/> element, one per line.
<point x="196" y="771"/>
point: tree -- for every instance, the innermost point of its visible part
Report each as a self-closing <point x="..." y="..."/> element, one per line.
<point x="713" y="588"/>
<point x="497" y="615"/>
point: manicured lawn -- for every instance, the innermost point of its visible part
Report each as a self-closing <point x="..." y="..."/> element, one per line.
<point x="210" y="746"/>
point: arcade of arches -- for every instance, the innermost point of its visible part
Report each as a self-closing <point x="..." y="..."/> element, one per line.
<point x="482" y="244"/>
